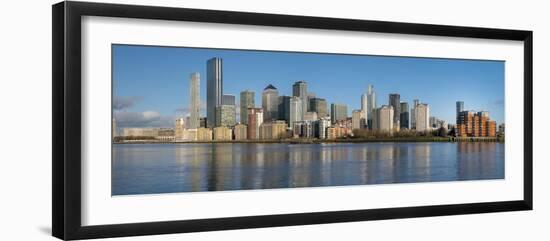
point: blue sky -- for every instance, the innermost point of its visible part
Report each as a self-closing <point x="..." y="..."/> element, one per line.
<point x="151" y="84"/>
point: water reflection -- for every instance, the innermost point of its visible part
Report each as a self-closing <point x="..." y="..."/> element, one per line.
<point x="165" y="168"/>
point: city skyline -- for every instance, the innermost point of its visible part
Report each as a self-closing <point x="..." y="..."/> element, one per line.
<point x="137" y="67"/>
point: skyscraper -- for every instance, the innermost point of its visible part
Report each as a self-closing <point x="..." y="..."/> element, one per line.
<point x="395" y="102"/>
<point x="194" y="101"/>
<point x="371" y="104"/>
<point x="404" y="118"/>
<point x="299" y="89"/>
<point x="270" y="97"/>
<point x="364" y="105"/>
<point x="283" y="108"/>
<point x="247" y="101"/>
<point x="319" y="105"/>
<point x="214" y="89"/>
<point x="295" y="110"/>
<point x="422" y="115"/>
<point x="459" y="108"/>
<point x="338" y="112"/>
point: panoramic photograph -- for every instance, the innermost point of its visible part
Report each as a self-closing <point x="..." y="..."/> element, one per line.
<point x="202" y="119"/>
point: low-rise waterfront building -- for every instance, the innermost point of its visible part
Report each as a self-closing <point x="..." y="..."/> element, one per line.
<point x="240" y="131"/>
<point x="337" y="132"/>
<point x="223" y="133"/>
<point x="273" y="130"/>
<point x="204" y="134"/>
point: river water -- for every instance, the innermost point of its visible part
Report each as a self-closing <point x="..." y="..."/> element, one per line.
<point x="168" y="168"/>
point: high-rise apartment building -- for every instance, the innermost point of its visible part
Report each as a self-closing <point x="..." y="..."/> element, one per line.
<point x="338" y="112"/>
<point x="246" y="101"/>
<point x="422" y="117"/>
<point x="475" y="124"/>
<point x="255" y="119"/>
<point x="214" y="89"/>
<point x="194" y="101"/>
<point x="270" y="99"/>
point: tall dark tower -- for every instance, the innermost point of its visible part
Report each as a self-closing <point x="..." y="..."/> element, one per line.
<point x="214" y="89"/>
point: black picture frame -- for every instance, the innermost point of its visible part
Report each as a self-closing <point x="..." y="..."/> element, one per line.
<point x="66" y="127"/>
